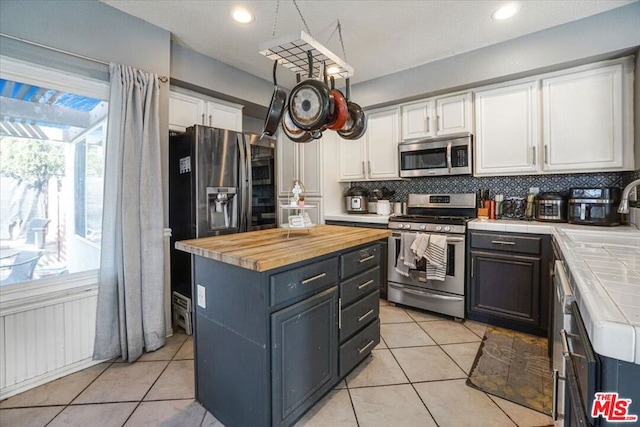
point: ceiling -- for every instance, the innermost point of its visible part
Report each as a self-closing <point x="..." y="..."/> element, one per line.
<point x="380" y="37"/>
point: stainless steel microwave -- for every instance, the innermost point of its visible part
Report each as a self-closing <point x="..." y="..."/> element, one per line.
<point x="449" y="155"/>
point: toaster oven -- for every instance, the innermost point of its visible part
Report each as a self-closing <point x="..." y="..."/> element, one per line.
<point x="594" y="206"/>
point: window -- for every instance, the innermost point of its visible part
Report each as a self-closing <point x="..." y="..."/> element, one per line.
<point x="52" y="139"/>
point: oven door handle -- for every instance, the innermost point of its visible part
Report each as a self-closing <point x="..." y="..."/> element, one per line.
<point x="449" y="166"/>
<point x="449" y="239"/>
<point x="425" y="294"/>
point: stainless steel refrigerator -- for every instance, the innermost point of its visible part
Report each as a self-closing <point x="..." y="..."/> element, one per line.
<point x="220" y="182"/>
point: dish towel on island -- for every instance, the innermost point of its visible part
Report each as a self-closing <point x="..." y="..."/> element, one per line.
<point x="436" y="256"/>
<point x="407" y="258"/>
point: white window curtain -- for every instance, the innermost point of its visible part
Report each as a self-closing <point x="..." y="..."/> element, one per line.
<point x="130" y="314"/>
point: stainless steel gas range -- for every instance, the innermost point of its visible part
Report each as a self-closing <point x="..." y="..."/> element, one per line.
<point x="433" y="214"/>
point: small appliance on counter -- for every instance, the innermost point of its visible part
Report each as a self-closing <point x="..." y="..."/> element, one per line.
<point x="514" y="208"/>
<point x="551" y="207"/>
<point x="356" y="200"/>
<point x="594" y="206"/>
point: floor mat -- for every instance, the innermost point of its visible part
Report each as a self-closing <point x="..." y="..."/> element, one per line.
<point x="514" y="366"/>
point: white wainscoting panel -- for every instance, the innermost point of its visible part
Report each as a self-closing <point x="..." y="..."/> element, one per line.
<point x="46" y="337"/>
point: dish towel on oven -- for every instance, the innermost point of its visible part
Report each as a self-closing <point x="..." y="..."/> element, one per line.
<point x="419" y="246"/>
<point x="407" y="258"/>
<point x="436" y="256"/>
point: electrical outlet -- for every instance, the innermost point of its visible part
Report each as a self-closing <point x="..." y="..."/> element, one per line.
<point x="202" y="299"/>
<point x="534" y="190"/>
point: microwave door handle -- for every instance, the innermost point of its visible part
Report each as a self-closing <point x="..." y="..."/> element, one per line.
<point x="449" y="156"/>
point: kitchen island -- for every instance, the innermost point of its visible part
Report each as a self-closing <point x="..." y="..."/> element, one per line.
<point x="278" y="320"/>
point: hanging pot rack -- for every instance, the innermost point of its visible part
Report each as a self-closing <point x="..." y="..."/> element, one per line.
<point x="291" y="52"/>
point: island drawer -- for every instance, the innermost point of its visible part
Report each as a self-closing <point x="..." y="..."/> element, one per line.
<point x="358" y="347"/>
<point x="357" y="286"/>
<point x="359" y="260"/>
<point x="303" y="281"/>
<point x="507" y="242"/>
<point x="359" y="314"/>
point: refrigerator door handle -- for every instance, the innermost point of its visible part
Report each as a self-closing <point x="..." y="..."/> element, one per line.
<point x="248" y="208"/>
<point x="242" y="226"/>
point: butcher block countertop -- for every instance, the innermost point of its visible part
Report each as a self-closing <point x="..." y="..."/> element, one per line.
<point x="267" y="249"/>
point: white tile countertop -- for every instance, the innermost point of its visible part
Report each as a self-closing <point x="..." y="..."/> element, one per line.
<point x="370" y="218"/>
<point x="603" y="265"/>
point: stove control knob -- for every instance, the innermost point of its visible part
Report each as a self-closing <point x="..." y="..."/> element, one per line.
<point x="423" y="227"/>
<point x="400" y="226"/>
<point x="407" y="226"/>
<point x="447" y="228"/>
<point x="438" y="228"/>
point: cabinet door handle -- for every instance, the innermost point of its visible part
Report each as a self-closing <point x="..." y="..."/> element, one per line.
<point x="369" y="167"/>
<point x="554" y="400"/>
<point x="209" y="119"/>
<point x="546" y="154"/>
<point x="565" y="344"/>
<point x="365" y="284"/>
<point x="311" y="279"/>
<point x="202" y="119"/>
<point x="534" y="155"/>
<point x="361" y="350"/>
<point x="437" y="123"/>
<point x="339" y="313"/>
<point x="364" y="172"/>
<point x="473" y="261"/>
<point x="502" y="242"/>
<point x="428" y="124"/>
<point x="367" y="259"/>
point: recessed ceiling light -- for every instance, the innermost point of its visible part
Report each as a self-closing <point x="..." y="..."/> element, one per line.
<point x="505" y="12"/>
<point x="242" y="15"/>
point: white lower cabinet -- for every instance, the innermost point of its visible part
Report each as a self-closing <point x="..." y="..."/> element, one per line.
<point x="374" y="156"/>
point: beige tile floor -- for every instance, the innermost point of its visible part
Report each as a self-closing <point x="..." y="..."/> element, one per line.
<point x="414" y="378"/>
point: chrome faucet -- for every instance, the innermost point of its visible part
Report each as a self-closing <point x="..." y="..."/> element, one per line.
<point x="624" y="203"/>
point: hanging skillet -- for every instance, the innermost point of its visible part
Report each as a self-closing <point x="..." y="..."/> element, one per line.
<point x="276" y="107"/>
<point x="356" y="123"/>
<point x="339" y="117"/>
<point x="292" y="131"/>
<point x="310" y="102"/>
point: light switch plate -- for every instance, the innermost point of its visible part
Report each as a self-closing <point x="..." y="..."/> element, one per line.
<point x="202" y="299"/>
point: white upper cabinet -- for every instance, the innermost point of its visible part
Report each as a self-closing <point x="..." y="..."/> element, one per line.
<point x="453" y="114"/>
<point x="223" y="116"/>
<point x="301" y="161"/>
<point x="417" y="119"/>
<point x="576" y="120"/>
<point x="584" y="117"/>
<point x="375" y="155"/>
<point x="186" y="110"/>
<point x="506" y="123"/>
<point x="437" y="116"/>
<point x="382" y="137"/>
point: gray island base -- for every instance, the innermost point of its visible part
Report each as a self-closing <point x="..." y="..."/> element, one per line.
<point x="270" y="344"/>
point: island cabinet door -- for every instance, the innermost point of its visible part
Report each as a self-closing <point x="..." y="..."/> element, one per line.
<point x="304" y="355"/>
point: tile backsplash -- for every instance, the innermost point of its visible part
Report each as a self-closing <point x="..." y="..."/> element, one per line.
<point x="507" y="185"/>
